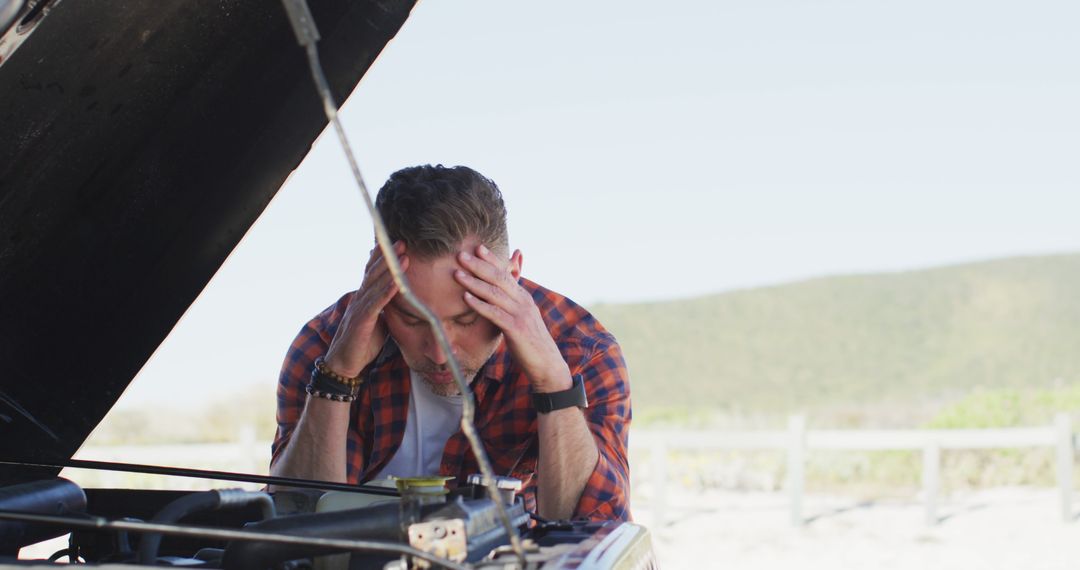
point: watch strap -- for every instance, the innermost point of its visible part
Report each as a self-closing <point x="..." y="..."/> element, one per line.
<point x="547" y="402"/>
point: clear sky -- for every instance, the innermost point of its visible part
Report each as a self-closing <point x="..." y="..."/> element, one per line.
<point x="651" y="151"/>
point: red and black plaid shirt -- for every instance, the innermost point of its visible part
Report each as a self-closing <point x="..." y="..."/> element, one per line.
<point x="505" y="417"/>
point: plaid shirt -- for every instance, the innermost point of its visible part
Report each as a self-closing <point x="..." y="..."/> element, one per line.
<point x="505" y="417"/>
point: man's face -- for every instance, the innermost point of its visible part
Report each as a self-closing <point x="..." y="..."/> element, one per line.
<point x="472" y="337"/>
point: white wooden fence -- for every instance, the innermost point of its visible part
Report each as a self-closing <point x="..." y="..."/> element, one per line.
<point x="251" y="456"/>
<point x="797" y="441"/>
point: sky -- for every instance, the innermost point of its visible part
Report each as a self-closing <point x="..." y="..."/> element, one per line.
<point x="655" y="151"/>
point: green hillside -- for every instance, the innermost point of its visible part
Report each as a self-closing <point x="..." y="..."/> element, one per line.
<point x="886" y="340"/>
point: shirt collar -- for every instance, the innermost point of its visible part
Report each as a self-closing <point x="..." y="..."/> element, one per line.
<point x="498" y="366"/>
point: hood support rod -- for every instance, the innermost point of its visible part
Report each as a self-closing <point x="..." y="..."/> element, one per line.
<point x="203" y="474"/>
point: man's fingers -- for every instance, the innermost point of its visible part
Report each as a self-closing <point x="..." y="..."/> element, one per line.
<point x="488" y="268"/>
<point x="373" y="258"/>
<point x="487" y="292"/>
<point x="501" y="265"/>
<point x="385" y="294"/>
<point x="378" y="288"/>
<point x="377" y="255"/>
<point x="389" y="276"/>
<point x="375" y="270"/>
<point x="381" y="266"/>
<point x="498" y="316"/>
<point x="381" y="276"/>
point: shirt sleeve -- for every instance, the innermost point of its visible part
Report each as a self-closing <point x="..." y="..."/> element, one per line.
<point x="607" y="491"/>
<point x="291" y="395"/>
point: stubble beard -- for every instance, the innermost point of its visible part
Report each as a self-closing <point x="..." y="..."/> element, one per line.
<point x="447" y="389"/>
<point x="469" y="370"/>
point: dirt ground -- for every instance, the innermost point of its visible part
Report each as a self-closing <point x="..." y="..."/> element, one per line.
<point x="1000" y="528"/>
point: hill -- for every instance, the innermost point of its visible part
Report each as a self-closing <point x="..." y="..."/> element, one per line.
<point x="883" y="340"/>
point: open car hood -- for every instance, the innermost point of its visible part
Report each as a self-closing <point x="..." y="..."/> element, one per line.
<point x="138" y="143"/>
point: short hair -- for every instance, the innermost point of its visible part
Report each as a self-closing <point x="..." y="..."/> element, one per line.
<point x="434" y="208"/>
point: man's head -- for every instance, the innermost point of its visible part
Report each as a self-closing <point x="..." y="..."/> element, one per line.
<point x="433" y="209"/>
<point x="438" y="212"/>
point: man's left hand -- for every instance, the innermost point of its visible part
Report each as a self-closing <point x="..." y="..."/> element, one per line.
<point x="493" y="292"/>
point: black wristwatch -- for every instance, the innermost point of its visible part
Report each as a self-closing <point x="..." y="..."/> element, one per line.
<point x="574" y="396"/>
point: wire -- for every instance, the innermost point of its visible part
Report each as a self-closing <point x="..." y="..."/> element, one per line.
<point x="204" y="474"/>
<point x="100" y="523"/>
<point x="307" y="36"/>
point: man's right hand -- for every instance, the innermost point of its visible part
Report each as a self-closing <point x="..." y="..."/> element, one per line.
<point x="362" y="332"/>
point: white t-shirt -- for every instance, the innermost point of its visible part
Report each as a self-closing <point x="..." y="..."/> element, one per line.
<point x="432" y="420"/>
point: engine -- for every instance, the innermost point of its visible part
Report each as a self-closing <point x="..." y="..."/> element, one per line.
<point x="370" y="528"/>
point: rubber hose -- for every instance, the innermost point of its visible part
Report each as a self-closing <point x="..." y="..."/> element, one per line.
<point x="198" y="502"/>
<point x="50" y="497"/>
<point x="376" y="522"/>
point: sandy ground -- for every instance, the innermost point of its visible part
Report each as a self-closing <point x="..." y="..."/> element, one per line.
<point x="1000" y="528"/>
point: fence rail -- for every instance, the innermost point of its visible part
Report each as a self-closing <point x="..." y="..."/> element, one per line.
<point x="797" y="441"/>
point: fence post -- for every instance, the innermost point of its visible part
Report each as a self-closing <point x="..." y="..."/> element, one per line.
<point x="659" y="475"/>
<point x="931" y="479"/>
<point x="796" y="466"/>
<point x="1065" y="463"/>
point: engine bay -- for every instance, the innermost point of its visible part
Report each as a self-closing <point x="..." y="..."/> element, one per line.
<point x="371" y="527"/>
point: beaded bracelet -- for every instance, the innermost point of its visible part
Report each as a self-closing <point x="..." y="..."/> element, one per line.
<point x="320" y="365"/>
<point x="328" y="385"/>
<point x="312" y="391"/>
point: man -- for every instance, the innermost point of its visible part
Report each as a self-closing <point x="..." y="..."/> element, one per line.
<point x="366" y="393"/>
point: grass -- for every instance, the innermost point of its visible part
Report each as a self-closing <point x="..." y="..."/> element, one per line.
<point x="908" y="340"/>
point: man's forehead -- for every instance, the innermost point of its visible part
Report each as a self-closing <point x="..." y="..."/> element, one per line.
<point x="434" y="284"/>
